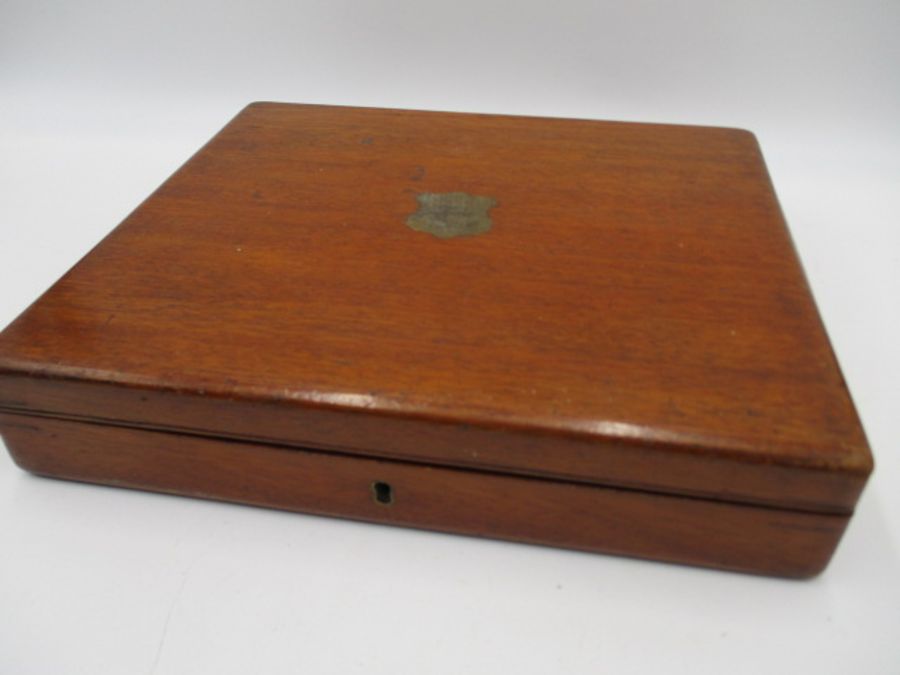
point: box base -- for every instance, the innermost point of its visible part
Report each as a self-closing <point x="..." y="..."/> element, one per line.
<point x="704" y="532"/>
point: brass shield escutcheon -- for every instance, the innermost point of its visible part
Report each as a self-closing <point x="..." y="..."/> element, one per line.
<point x="452" y="214"/>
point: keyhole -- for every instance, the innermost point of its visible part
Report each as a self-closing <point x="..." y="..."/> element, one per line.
<point x="383" y="493"/>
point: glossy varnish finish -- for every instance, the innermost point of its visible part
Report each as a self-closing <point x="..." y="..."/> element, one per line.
<point x="635" y="317"/>
<point x="695" y="531"/>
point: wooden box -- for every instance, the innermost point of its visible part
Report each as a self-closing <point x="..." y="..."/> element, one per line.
<point x="585" y="334"/>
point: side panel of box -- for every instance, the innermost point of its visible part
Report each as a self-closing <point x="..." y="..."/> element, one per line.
<point x="640" y="465"/>
<point x="684" y="530"/>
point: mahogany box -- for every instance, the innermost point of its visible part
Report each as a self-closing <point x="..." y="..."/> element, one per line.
<point x="591" y="335"/>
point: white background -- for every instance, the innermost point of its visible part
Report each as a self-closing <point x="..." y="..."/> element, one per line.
<point x="101" y="100"/>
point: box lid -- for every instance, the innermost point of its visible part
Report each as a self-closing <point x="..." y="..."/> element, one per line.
<point x="602" y="302"/>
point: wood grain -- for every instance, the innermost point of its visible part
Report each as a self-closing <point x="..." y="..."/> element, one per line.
<point x="634" y="316"/>
<point x="693" y="531"/>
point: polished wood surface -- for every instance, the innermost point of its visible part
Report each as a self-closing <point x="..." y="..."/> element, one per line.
<point x="631" y="463"/>
<point x="625" y="310"/>
<point x="636" y="312"/>
<point x="676" y="529"/>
